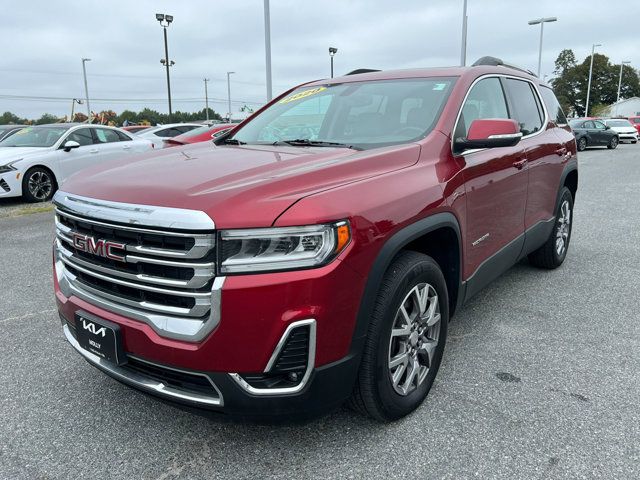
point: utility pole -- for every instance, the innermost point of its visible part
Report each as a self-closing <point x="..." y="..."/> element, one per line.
<point x="332" y="52"/>
<point x="73" y="106"/>
<point x="267" y="48"/>
<point x="620" y="82"/>
<point x="206" y="97"/>
<point x="86" y="88"/>
<point x="463" y="47"/>
<point x="593" y="49"/>
<point x="229" y="92"/>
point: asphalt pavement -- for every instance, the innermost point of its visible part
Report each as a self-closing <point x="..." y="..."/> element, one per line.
<point x="540" y="379"/>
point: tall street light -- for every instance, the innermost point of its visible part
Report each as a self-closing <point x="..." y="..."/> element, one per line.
<point x="463" y="47"/>
<point x="541" y="21"/>
<point x="593" y="49"/>
<point x="620" y="80"/>
<point x="86" y="88"/>
<point x="267" y="48"/>
<point x="165" y="21"/>
<point x="229" y="92"/>
<point x="332" y="52"/>
<point x="206" y="97"/>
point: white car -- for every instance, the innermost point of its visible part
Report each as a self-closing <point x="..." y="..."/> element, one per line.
<point x="625" y="130"/>
<point x="36" y="160"/>
<point x="158" y="134"/>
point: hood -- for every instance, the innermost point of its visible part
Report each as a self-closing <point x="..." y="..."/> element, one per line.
<point x="237" y="186"/>
<point x="624" y="129"/>
<point x="10" y="154"/>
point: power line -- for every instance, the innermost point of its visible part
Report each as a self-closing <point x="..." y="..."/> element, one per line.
<point x="126" y="100"/>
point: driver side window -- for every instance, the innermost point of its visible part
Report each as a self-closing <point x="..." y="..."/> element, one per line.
<point x="82" y="136"/>
<point x="485" y="100"/>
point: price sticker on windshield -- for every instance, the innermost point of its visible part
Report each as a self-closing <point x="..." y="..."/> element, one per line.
<point x="303" y="94"/>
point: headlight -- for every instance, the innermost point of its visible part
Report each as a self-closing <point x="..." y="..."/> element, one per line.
<point x="8" y="167"/>
<point x="282" y="248"/>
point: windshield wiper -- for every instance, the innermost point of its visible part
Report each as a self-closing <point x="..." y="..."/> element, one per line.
<point x="233" y="141"/>
<point x="306" y="142"/>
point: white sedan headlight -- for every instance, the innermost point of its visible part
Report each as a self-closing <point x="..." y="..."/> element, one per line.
<point x="283" y="248"/>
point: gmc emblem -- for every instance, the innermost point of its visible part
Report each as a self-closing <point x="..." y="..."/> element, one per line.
<point x="93" y="329"/>
<point x="100" y="247"/>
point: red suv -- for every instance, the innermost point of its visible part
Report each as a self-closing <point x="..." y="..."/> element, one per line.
<point x="317" y="252"/>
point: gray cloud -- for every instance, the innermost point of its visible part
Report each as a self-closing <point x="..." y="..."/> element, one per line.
<point x="42" y="44"/>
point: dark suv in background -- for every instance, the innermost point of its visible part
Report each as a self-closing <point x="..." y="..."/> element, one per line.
<point x="316" y="253"/>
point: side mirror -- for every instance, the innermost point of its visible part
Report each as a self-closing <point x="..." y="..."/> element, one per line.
<point x="489" y="133"/>
<point x="69" y="144"/>
<point x="607" y="127"/>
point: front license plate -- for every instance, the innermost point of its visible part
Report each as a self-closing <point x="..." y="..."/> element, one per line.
<point x="100" y="337"/>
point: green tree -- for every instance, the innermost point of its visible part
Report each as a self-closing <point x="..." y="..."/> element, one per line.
<point x="8" y="118"/>
<point x="47" y="118"/>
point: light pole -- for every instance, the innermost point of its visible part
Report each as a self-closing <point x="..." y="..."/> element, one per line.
<point x="267" y="48"/>
<point x="86" y="88"/>
<point x="541" y="21"/>
<point x="593" y="49"/>
<point x="206" y="97"/>
<point x="332" y="52"/>
<point x="73" y="106"/>
<point x="620" y="82"/>
<point x="463" y="47"/>
<point x="165" y="21"/>
<point x="229" y="92"/>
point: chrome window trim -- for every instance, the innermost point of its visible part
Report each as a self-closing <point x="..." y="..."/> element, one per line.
<point x="134" y="214"/>
<point x="307" y="374"/>
<point x="146" y="383"/>
<point x="545" y="120"/>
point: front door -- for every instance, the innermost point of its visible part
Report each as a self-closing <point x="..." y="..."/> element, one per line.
<point x="77" y="158"/>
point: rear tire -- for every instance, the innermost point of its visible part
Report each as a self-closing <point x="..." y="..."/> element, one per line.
<point x="554" y="251"/>
<point x="405" y="341"/>
<point x="582" y="144"/>
<point x="613" y="143"/>
<point x="38" y="185"/>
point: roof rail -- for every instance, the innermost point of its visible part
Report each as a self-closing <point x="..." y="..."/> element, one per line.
<point x="361" y="70"/>
<point x="494" y="62"/>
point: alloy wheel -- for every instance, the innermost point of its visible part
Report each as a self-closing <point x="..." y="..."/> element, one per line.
<point x="40" y="185"/>
<point x="414" y="338"/>
<point x="564" y="228"/>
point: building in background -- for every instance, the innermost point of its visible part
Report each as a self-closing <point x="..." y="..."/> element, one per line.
<point x="624" y="108"/>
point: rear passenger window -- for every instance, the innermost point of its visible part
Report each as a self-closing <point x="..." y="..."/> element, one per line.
<point x="485" y="100"/>
<point x="107" y="136"/>
<point x="553" y="106"/>
<point x="525" y="105"/>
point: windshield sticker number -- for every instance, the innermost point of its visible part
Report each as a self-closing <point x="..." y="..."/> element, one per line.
<point x="301" y="95"/>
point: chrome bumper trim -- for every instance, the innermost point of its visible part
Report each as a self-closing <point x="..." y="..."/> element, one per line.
<point x="146" y="383"/>
<point x="307" y="374"/>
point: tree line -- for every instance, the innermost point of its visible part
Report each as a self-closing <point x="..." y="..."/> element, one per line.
<point x="146" y="116"/>
<point x="572" y="79"/>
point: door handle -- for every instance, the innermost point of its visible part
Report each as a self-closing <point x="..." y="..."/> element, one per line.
<point x="519" y="164"/>
<point x="561" y="151"/>
<point x="126" y="147"/>
<point x="95" y="150"/>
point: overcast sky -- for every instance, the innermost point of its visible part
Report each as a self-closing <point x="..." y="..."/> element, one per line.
<point x="42" y="42"/>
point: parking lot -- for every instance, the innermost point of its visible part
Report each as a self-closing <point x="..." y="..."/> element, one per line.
<point x="539" y="380"/>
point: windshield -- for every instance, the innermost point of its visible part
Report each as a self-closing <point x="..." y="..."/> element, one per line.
<point x="619" y="123"/>
<point x="362" y="114"/>
<point x="34" y="137"/>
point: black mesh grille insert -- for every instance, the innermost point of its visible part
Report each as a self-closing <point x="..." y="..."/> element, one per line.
<point x="178" y="380"/>
<point x="4" y="185"/>
<point x="295" y="353"/>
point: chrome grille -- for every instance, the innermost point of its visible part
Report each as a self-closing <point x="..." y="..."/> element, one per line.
<point x="163" y="276"/>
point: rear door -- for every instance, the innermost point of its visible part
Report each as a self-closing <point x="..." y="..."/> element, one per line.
<point x="601" y="132"/>
<point x="496" y="191"/>
<point x="542" y="148"/>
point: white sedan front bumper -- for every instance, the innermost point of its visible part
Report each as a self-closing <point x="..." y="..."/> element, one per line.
<point x="11" y="184"/>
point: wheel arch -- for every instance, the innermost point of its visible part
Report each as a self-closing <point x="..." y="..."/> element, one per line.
<point x="429" y="235"/>
<point x="44" y="167"/>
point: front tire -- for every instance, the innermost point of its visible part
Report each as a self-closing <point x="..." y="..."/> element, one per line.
<point x="613" y="143"/>
<point x="405" y="341"/>
<point x="582" y="144"/>
<point x="554" y="251"/>
<point x="38" y="185"/>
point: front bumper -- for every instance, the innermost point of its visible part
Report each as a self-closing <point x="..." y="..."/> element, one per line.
<point x="628" y="137"/>
<point x="10" y="184"/>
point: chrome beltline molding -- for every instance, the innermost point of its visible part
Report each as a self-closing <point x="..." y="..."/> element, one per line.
<point x="143" y="382"/>
<point x="307" y="374"/>
<point x="135" y="214"/>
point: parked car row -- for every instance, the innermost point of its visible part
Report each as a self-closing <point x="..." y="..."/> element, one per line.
<point x="35" y="160"/>
<point x="608" y="132"/>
